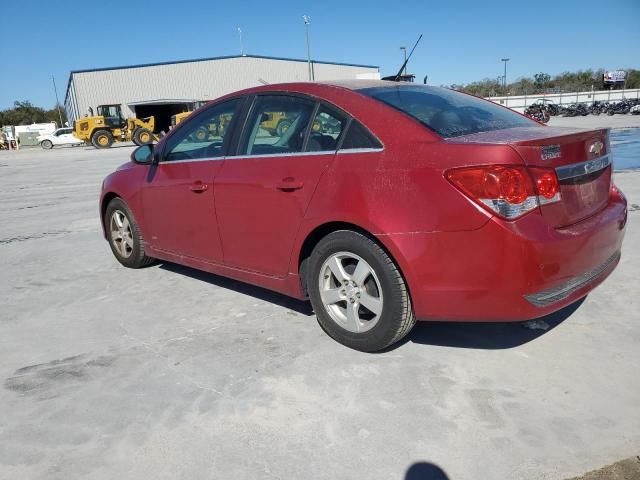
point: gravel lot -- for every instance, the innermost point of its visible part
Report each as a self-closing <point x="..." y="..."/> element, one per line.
<point x="169" y="373"/>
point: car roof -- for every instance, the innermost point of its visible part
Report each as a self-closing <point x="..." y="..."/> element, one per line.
<point x="356" y="84"/>
<point x="322" y="88"/>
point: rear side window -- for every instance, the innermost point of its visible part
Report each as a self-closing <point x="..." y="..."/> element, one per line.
<point x="326" y="129"/>
<point x="359" y="137"/>
<point x="447" y="112"/>
<point x="277" y="124"/>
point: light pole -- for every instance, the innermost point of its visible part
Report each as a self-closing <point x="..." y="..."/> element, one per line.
<point x="404" y="50"/>
<point x="241" y="44"/>
<point x="504" y="77"/>
<point x="55" y="89"/>
<point x="307" y="20"/>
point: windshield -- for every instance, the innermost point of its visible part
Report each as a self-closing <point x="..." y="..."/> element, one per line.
<point x="447" y="112"/>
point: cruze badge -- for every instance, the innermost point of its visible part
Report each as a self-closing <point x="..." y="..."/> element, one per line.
<point x="596" y="148"/>
<point x="550" y="152"/>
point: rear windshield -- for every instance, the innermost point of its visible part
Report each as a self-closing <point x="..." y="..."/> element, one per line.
<point x="447" y="112"/>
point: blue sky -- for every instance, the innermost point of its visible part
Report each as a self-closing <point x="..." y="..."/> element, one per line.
<point x="463" y="40"/>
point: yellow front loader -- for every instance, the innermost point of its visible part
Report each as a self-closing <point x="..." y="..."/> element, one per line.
<point x="109" y="126"/>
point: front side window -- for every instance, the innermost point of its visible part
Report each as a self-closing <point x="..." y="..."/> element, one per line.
<point x="447" y="112"/>
<point x="277" y="124"/>
<point x="202" y="136"/>
<point x="326" y="130"/>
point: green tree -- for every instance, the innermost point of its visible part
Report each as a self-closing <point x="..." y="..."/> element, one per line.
<point x="25" y="113"/>
<point x="633" y="78"/>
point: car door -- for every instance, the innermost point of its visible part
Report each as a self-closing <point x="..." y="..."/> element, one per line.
<point x="262" y="193"/>
<point x="66" y="137"/>
<point x="177" y="195"/>
<point x="56" y="137"/>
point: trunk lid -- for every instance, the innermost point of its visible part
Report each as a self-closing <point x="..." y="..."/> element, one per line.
<point x="581" y="159"/>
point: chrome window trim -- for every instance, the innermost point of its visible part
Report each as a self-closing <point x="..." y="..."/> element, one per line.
<point x="360" y="150"/>
<point x="272" y="155"/>
<point x="288" y="154"/>
<point x="191" y="160"/>
<point x="583" y="168"/>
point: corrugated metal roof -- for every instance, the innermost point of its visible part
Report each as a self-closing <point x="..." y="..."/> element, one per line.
<point x="202" y="79"/>
<point x="220" y="58"/>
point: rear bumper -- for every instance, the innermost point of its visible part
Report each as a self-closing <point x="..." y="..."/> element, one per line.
<point x="509" y="271"/>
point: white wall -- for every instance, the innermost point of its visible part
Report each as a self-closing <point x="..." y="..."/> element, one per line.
<point x="520" y="102"/>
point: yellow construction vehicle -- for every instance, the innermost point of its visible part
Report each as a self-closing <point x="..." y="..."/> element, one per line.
<point x="204" y="131"/>
<point x="110" y="126"/>
<point x="178" y="117"/>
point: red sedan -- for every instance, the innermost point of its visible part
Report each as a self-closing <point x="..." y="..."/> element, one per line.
<point x="380" y="202"/>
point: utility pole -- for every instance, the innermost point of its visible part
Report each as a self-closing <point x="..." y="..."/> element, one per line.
<point x="307" y="20"/>
<point x="404" y="49"/>
<point x="241" y="44"/>
<point x="504" y="77"/>
<point x="55" y="89"/>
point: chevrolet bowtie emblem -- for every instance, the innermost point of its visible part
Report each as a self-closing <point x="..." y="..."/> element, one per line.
<point x="596" y="148"/>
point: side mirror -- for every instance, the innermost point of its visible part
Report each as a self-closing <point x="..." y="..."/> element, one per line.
<point x="143" y="155"/>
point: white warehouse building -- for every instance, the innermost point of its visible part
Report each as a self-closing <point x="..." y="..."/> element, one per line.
<point x="164" y="89"/>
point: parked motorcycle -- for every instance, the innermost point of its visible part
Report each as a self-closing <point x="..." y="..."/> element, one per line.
<point x="538" y="112"/>
<point x="575" y="110"/>
<point x="596" y="108"/>
<point x="622" y="107"/>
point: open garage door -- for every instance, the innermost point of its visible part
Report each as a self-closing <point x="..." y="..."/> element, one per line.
<point x="162" y="110"/>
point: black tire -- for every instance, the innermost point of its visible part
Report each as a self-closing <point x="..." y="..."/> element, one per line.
<point x="133" y="137"/>
<point x="200" y="135"/>
<point x="46" y="144"/>
<point x="102" y="139"/>
<point x="142" y="136"/>
<point x="396" y="318"/>
<point x="136" y="257"/>
<point x="282" y="127"/>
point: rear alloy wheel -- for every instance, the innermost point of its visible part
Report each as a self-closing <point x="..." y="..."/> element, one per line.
<point x="46" y="144"/>
<point x="358" y="293"/>
<point x="125" y="238"/>
<point x="142" y="136"/>
<point x="102" y="139"/>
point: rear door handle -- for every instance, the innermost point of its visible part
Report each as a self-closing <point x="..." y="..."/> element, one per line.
<point x="198" y="187"/>
<point x="289" y="184"/>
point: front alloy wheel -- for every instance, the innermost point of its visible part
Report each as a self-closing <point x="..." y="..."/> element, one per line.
<point x="124" y="235"/>
<point x="121" y="236"/>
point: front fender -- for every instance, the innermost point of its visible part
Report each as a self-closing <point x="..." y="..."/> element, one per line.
<point x="125" y="183"/>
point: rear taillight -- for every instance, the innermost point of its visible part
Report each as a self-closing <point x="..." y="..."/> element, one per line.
<point x="509" y="191"/>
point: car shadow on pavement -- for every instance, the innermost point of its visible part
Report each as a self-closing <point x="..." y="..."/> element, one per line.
<point x="476" y="335"/>
<point x="297" y="306"/>
<point x="487" y="336"/>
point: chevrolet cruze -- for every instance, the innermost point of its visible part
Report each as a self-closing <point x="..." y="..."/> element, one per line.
<point x="380" y="202"/>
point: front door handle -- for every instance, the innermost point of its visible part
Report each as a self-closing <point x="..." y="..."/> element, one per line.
<point x="198" y="187"/>
<point x="289" y="184"/>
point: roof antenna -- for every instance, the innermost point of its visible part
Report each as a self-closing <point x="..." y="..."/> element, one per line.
<point x="398" y="77"/>
<point x="263" y="81"/>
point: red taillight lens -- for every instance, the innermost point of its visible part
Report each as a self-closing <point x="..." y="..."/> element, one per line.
<point x="510" y="191"/>
<point x="510" y="184"/>
<point x="546" y="182"/>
